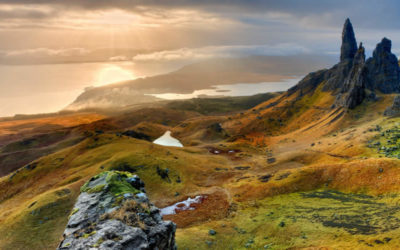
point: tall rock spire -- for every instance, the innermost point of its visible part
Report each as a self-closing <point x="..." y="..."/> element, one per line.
<point x="349" y="44"/>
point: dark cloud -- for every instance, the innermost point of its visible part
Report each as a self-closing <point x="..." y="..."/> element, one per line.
<point x="368" y="13"/>
<point x="310" y="24"/>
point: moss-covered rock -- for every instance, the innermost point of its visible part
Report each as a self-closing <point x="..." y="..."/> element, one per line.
<point x="113" y="212"/>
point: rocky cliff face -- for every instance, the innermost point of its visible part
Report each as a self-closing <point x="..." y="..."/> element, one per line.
<point x="352" y="76"/>
<point x="353" y="91"/>
<point x="383" y="67"/>
<point x="337" y="75"/>
<point x="113" y="212"/>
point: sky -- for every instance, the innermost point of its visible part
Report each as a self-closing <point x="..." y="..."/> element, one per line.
<point x="45" y="31"/>
<point x="51" y="50"/>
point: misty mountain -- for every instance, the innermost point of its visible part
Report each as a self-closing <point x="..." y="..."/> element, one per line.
<point x="197" y="76"/>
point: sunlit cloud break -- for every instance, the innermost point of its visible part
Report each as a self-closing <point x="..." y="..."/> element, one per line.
<point x="221" y="51"/>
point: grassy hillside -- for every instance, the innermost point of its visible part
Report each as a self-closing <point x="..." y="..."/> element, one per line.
<point x="288" y="173"/>
<point x="209" y="106"/>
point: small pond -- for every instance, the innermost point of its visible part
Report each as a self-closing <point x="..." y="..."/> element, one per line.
<point x="167" y="140"/>
<point x="188" y="204"/>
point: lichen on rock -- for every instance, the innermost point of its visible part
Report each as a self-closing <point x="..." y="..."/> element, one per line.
<point x="113" y="212"/>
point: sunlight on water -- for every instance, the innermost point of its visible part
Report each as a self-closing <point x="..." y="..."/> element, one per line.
<point x="168" y="140"/>
<point x="238" y="89"/>
<point x="43" y="88"/>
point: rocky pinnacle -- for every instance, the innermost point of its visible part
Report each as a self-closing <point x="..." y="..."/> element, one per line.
<point x="383" y="69"/>
<point x="349" y="44"/>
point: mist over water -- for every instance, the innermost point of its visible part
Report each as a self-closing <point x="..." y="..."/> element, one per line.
<point x="31" y="89"/>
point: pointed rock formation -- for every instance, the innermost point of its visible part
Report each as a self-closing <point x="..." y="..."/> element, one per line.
<point x="338" y="73"/>
<point x="353" y="77"/>
<point x="383" y="67"/>
<point x="334" y="78"/>
<point x="353" y="91"/>
<point x="349" y="44"/>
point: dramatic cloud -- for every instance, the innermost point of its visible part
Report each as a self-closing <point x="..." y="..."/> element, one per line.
<point x="167" y="27"/>
<point x="374" y="13"/>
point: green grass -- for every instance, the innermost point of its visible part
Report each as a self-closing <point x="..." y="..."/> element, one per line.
<point x="74" y="165"/>
<point x="39" y="226"/>
<point x="386" y="143"/>
<point x="311" y="219"/>
<point x="36" y="141"/>
<point x="316" y="218"/>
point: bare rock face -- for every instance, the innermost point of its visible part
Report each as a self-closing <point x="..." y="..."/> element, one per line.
<point x="333" y="79"/>
<point x="309" y="82"/>
<point x="349" y="44"/>
<point x="113" y="212"/>
<point x="383" y="67"/>
<point x="337" y="75"/>
<point x="394" y="109"/>
<point x="353" y="91"/>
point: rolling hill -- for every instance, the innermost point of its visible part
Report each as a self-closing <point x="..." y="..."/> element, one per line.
<point x="314" y="167"/>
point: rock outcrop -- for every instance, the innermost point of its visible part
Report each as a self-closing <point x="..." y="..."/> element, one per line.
<point x="337" y="75"/>
<point x="334" y="78"/>
<point x="353" y="91"/>
<point x="383" y="68"/>
<point x="113" y="212"/>
<point x="352" y="78"/>
<point x="309" y="83"/>
<point x="349" y="44"/>
<point x="394" y="109"/>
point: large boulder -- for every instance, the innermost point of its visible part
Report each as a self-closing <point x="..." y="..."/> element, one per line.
<point x="383" y="68"/>
<point x="113" y="212"/>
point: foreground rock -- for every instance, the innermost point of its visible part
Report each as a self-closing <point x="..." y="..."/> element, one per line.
<point x="113" y="212"/>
